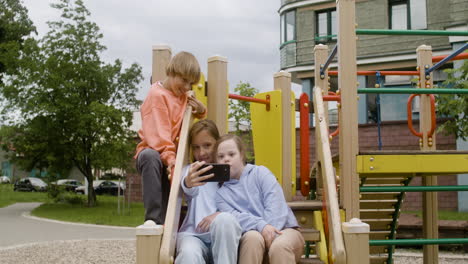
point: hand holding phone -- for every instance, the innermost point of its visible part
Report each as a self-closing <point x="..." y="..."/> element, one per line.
<point x="221" y="172"/>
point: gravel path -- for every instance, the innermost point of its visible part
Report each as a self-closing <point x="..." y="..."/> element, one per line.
<point x="71" y="252"/>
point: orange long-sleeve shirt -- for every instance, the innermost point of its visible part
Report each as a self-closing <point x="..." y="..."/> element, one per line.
<point x="161" y="117"/>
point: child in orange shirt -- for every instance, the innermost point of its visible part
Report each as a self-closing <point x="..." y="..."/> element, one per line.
<point x="161" y="115"/>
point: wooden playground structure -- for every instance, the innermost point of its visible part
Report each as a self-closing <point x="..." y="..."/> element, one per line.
<point x="352" y="219"/>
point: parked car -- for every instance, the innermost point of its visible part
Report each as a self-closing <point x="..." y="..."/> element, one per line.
<point x="67" y="184"/>
<point x="102" y="187"/>
<point x="30" y="184"/>
<point x="4" y="179"/>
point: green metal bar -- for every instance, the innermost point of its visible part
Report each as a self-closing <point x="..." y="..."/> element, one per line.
<point x="421" y="241"/>
<point x="414" y="188"/>
<point x="409" y="90"/>
<point x="410" y="32"/>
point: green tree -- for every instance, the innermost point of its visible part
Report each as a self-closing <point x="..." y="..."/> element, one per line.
<point x="74" y="109"/>
<point x="15" y="27"/>
<point x="240" y="112"/>
<point x="455" y="106"/>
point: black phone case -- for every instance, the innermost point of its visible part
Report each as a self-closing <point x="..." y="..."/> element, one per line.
<point x="221" y="172"/>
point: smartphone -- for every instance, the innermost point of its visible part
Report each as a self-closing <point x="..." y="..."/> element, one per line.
<point x="221" y="172"/>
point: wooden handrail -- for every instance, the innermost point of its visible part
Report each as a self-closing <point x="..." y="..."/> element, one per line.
<point x="329" y="183"/>
<point x="171" y="223"/>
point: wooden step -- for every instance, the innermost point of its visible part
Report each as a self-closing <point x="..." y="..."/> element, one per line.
<point x="376" y="213"/>
<point x="308" y="205"/>
<point x="378" y="204"/>
<point x="379" y="235"/>
<point x="378" y="249"/>
<point x="310" y="261"/>
<point x="380" y="195"/>
<point x="378" y="259"/>
<point x="378" y="224"/>
<point x="310" y="234"/>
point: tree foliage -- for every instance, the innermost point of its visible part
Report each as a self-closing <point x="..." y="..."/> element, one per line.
<point x="75" y="110"/>
<point x="455" y="106"/>
<point x="240" y="112"/>
<point x="15" y="27"/>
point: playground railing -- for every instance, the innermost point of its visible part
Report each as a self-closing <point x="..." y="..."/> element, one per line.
<point x="171" y="223"/>
<point x="329" y="183"/>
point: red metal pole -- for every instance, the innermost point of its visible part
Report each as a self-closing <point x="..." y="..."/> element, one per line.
<point x="461" y="56"/>
<point x="304" y="146"/>
<point x="248" y="99"/>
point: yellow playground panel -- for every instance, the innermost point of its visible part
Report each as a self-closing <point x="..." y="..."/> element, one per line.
<point x="267" y="135"/>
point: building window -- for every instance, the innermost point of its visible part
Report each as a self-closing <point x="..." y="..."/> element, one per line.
<point x="326" y="28"/>
<point x="407" y="14"/>
<point x="288" y="26"/>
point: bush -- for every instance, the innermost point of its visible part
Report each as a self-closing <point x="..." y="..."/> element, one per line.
<point x="69" y="198"/>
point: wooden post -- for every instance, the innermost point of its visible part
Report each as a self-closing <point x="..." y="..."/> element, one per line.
<point x="282" y="82"/>
<point x="347" y="82"/>
<point x="320" y="57"/>
<point x="356" y="238"/>
<point x="148" y="242"/>
<point x="218" y="92"/>
<point x="161" y="57"/>
<point x="430" y="204"/>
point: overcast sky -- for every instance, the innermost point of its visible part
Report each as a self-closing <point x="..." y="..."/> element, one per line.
<point x="246" y="32"/>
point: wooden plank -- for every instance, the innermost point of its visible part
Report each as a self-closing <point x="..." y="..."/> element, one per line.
<point x="378" y="204"/>
<point x="161" y="58"/>
<point x="348" y="112"/>
<point x="305" y="218"/>
<point x="378" y="224"/>
<point x="171" y="225"/>
<point x="282" y="82"/>
<point x="378" y="259"/>
<point x="308" y="205"/>
<point x="378" y="196"/>
<point x="329" y="183"/>
<point x="310" y="234"/>
<point x="379" y="235"/>
<point x="378" y="249"/>
<point x="377" y="213"/>
<point x="218" y="92"/>
<point x="430" y="213"/>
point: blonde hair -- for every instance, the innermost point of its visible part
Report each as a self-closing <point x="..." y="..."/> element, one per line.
<point x="184" y="65"/>
<point x="240" y="144"/>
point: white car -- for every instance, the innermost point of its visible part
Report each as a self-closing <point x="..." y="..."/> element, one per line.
<point x="4" y="179"/>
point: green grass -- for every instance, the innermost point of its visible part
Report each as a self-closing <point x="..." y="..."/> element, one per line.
<point x="444" y="215"/>
<point x="105" y="213"/>
<point x="9" y="197"/>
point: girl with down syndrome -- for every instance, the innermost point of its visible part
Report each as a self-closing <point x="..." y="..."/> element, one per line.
<point x="254" y="197"/>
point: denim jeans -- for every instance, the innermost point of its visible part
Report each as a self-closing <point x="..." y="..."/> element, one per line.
<point x="224" y="234"/>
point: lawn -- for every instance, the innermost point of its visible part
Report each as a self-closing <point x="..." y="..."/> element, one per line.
<point x="8" y="196"/>
<point x="105" y="213"/>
